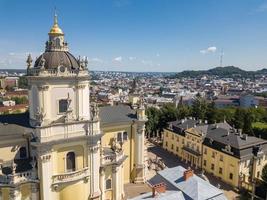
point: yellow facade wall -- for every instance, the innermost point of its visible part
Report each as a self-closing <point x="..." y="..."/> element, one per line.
<point x="25" y="190"/>
<point x="128" y="146"/>
<point x="73" y="191"/>
<point x="60" y="154"/>
<point x="228" y="164"/>
<point x="5" y="193"/>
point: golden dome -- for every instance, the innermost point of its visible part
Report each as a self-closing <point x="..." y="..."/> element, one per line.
<point x="55" y="30"/>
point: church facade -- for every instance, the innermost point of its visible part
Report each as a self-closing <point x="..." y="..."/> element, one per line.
<point x="66" y="147"/>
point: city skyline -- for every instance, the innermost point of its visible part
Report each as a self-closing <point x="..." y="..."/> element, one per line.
<point x="128" y="35"/>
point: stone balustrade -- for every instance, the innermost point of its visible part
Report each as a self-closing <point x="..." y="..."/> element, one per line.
<point x="112" y="158"/>
<point x="71" y="176"/>
<point x="17" y="178"/>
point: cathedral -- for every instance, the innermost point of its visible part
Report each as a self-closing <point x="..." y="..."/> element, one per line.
<point x="65" y="147"/>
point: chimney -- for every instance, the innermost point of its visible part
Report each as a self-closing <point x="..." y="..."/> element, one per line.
<point x="188" y="173"/>
<point x="158" y="188"/>
<point x="245" y="136"/>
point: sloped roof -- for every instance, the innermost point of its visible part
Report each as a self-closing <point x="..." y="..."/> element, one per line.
<point x="195" y="187"/>
<point x="14" y="125"/>
<point x="116" y="114"/>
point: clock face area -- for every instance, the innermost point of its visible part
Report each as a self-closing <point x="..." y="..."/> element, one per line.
<point x="62" y="69"/>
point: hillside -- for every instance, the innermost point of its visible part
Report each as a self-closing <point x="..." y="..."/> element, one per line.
<point x="223" y="72"/>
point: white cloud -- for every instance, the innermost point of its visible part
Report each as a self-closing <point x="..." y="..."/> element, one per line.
<point x="98" y="60"/>
<point x="118" y="59"/>
<point x="147" y="62"/>
<point x="132" y="58"/>
<point x="262" y="7"/>
<point x="158" y="55"/>
<point x="208" y="50"/>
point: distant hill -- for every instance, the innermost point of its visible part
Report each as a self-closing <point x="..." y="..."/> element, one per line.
<point x="223" y="72"/>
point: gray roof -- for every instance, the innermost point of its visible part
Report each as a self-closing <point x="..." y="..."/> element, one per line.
<point x="195" y="187"/>
<point x="14" y="125"/>
<point x="53" y="59"/>
<point x="168" y="195"/>
<point x="116" y="114"/>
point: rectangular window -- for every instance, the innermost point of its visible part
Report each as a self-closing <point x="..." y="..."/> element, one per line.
<point x="119" y="137"/>
<point x="213" y="154"/>
<point x="205" y="151"/>
<point x="125" y="136"/>
<point x="172" y="146"/>
<point x="205" y="163"/>
<point x="212" y="166"/>
<point x="177" y="149"/>
<point x="166" y="143"/>
<point x="177" y="139"/>
<point x="221" y="157"/>
<point x="231" y="176"/>
<point x="62" y="105"/>
<point x="108" y="184"/>
<point x="220" y="170"/>
<point x="166" y="134"/>
<point x="183" y="141"/>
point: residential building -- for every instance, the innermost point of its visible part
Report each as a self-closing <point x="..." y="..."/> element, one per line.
<point x="219" y="149"/>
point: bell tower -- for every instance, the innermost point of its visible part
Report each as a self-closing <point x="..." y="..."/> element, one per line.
<point x="66" y="136"/>
<point x="58" y="83"/>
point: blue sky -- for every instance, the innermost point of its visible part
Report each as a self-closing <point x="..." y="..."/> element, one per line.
<point x="140" y="35"/>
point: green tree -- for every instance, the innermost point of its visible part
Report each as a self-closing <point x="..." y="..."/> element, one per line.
<point x="238" y="118"/>
<point x="211" y="113"/>
<point x="153" y="121"/>
<point x="247" y="127"/>
<point x="167" y="114"/>
<point x="23" y="83"/>
<point x="199" y="107"/>
<point x="183" y="111"/>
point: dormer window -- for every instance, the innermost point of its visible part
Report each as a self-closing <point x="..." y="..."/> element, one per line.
<point x="62" y="105"/>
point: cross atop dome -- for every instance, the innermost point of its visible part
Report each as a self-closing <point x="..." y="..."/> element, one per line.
<point x="55" y="30"/>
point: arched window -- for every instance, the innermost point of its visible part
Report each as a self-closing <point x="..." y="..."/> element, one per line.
<point x="70" y="161"/>
<point x="22" y="152"/>
<point x="57" y="42"/>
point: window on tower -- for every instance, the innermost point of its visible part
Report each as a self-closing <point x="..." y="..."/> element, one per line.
<point x="70" y="161"/>
<point x="22" y="152"/>
<point x="108" y="184"/>
<point x="62" y="105"/>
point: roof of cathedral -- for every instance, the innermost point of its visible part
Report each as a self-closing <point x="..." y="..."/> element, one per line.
<point x="116" y="114"/>
<point x="14" y="125"/>
<point x="53" y="59"/>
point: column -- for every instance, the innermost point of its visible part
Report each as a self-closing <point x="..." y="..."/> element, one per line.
<point x="14" y="194"/>
<point x="94" y="165"/>
<point x="34" y="191"/>
<point x="139" y="154"/>
<point x="102" y="183"/>
<point x="115" y="188"/>
<point x="45" y="172"/>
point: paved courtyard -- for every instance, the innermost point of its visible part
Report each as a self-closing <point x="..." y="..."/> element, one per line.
<point x="170" y="160"/>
